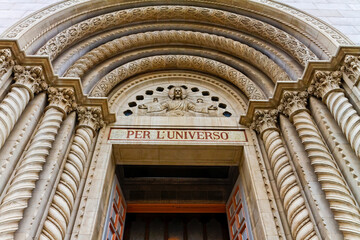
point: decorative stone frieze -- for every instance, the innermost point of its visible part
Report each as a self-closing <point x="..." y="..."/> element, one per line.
<point x="90" y="119"/>
<point x="28" y="81"/>
<point x="351" y="68"/>
<point x="62" y="99"/>
<point x="324" y="83"/>
<point x="22" y="183"/>
<point x="290" y="191"/>
<point x="6" y="61"/>
<point x="30" y="77"/>
<point x="342" y="203"/>
<point x="293" y="102"/>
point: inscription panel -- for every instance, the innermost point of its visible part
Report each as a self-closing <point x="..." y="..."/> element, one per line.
<point x="184" y="136"/>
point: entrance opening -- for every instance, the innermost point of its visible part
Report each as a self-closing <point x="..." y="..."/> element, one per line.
<point x="205" y="226"/>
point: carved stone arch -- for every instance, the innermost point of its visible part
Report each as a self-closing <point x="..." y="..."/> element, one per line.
<point x="242" y="51"/>
<point x="81" y="30"/>
<point x="107" y="83"/>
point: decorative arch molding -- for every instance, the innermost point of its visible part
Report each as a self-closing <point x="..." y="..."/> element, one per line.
<point x="162" y="62"/>
<point x="81" y="30"/>
<point x="242" y="51"/>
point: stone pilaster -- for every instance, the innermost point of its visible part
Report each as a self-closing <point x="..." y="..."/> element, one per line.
<point x="90" y="119"/>
<point x="326" y="85"/>
<point x="22" y="183"/>
<point x="296" y="211"/>
<point x="28" y="81"/>
<point x="342" y="204"/>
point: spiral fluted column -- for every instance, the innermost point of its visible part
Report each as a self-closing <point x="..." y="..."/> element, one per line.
<point x="326" y="85"/>
<point x="62" y="204"/>
<point x="28" y="81"/>
<point x="293" y="202"/>
<point x="338" y="194"/>
<point x="30" y="165"/>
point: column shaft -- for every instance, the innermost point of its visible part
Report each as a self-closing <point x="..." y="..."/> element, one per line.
<point x="293" y="201"/>
<point x="10" y="110"/>
<point x="338" y="194"/>
<point x="27" y="173"/>
<point x="346" y="117"/>
<point x="63" y="201"/>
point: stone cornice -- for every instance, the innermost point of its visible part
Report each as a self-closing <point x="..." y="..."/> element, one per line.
<point x="302" y="84"/>
<point x="58" y="82"/>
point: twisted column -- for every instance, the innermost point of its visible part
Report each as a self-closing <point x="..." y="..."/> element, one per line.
<point x="55" y="225"/>
<point x="293" y="202"/>
<point x="326" y="85"/>
<point x="28" y="81"/>
<point x="30" y="165"/>
<point x="338" y="194"/>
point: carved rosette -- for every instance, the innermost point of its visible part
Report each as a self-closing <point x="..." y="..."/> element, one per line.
<point x="342" y="204"/>
<point x="62" y="99"/>
<point x="30" y="165"/>
<point x="31" y="78"/>
<point x="351" y="68"/>
<point x="324" y="83"/>
<point x="28" y="80"/>
<point x="6" y="61"/>
<point x="290" y="192"/>
<point x="90" y="119"/>
<point x="293" y="102"/>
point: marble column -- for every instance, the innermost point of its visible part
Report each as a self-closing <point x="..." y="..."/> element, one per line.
<point x="60" y="210"/>
<point x="326" y="85"/>
<point x="22" y="183"/>
<point x="290" y="192"/>
<point x="28" y="81"/>
<point x="6" y="63"/>
<point x="342" y="203"/>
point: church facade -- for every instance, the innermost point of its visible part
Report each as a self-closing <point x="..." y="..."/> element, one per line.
<point x="194" y="120"/>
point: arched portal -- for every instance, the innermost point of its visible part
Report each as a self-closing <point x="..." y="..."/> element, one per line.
<point x="178" y="120"/>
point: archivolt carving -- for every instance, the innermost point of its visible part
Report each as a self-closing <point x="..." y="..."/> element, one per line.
<point x="90" y="26"/>
<point x="104" y="86"/>
<point x="240" y="50"/>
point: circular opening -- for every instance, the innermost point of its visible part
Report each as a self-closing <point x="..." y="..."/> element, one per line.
<point x="194" y="89"/>
<point x="184" y="87"/>
<point x="222" y="105"/>
<point x="159" y="89"/>
<point x="140" y="97"/>
<point x="149" y="92"/>
<point x="205" y="93"/>
<point x="128" y="112"/>
<point x="227" y="114"/>
<point x="170" y="86"/>
<point x="215" y="99"/>
<point x="132" y="104"/>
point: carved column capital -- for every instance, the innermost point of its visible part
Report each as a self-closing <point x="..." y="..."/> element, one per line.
<point x="62" y="99"/>
<point x="90" y="117"/>
<point x="293" y="102"/>
<point x="351" y="68"/>
<point x="6" y="60"/>
<point x="30" y="77"/>
<point x="324" y="83"/>
<point x="265" y="120"/>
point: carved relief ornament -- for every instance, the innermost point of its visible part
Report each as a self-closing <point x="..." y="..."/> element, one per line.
<point x="62" y="99"/>
<point x="351" y="68"/>
<point x="293" y="102"/>
<point x="30" y="77"/>
<point x="90" y="117"/>
<point x="325" y="82"/>
<point x="6" y="60"/>
<point x="264" y="120"/>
